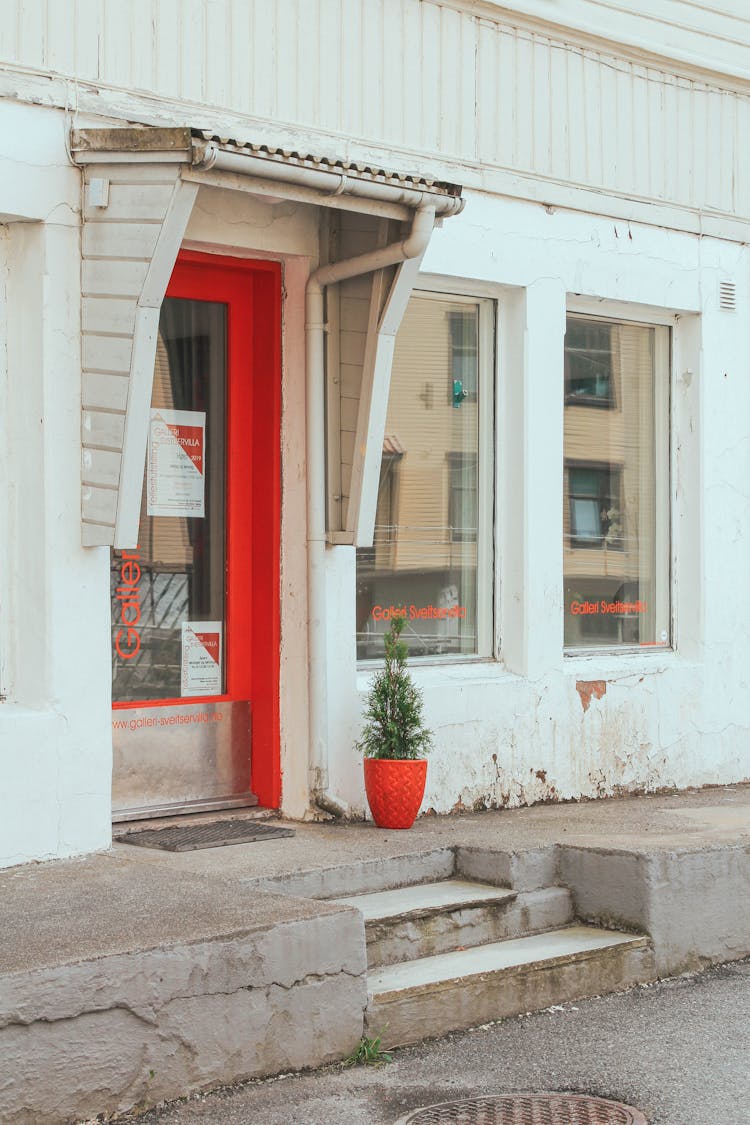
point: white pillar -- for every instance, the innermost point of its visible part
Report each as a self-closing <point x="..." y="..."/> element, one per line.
<point x="530" y="428"/>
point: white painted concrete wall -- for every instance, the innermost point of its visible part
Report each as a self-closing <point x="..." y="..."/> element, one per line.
<point x="507" y="731"/>
<point x="515" y="730"/>
<point x="55" y="741"/>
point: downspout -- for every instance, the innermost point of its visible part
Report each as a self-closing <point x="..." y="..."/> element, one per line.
<point x="315" y="328"/>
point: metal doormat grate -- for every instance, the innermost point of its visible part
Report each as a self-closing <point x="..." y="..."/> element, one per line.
<point x="192" y="837"/>
<point x="527" y="1109"/>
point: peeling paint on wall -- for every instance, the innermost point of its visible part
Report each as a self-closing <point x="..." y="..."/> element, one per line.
<point x="588" y="688"/>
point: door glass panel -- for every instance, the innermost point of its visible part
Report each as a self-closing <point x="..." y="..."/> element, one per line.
<point x="168" y="594"/>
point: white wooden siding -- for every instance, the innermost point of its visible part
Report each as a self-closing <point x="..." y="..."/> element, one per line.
<point x="118" y="244"/>
<point x="468" y="86"/>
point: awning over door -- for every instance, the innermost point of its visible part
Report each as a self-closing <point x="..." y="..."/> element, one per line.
<point x="140" y="185"/>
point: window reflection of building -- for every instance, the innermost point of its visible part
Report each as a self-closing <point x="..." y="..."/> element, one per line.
<point x="594" y="505"/>
<point x="589" y="363"/>
<point x="614" y="460"/>
<point x="424" y="554"/>
<point x="464" y="350"/>
<point x="181" y="559"/>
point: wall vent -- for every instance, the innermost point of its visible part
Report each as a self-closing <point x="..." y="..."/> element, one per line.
<point x="727" y="295"/>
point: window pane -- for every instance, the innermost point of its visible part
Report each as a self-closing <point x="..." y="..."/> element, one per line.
<point x="616" y="517"/>
<point x="423" y="563"/>
<point x="584" y="519"/>
<point x="588" y="362"/>
<point x="174" y="579"/>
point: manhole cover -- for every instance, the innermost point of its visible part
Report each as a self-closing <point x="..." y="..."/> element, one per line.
<point x="527" y="1109"/>
<point x="192" y="837"/>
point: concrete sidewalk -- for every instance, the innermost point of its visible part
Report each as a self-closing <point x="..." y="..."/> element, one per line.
<point x="135" y="975"/>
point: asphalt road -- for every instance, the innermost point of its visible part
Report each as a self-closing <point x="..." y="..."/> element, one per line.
<point x="678" y="1050"/>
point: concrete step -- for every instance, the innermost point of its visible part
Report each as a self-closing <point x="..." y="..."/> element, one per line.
<point x="418" y="999"/>
<point x="421" y="921"/>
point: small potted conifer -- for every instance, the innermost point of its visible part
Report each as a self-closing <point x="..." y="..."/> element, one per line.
<point x="394" y="739"/>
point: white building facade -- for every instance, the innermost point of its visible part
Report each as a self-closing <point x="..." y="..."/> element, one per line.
<point x="319" y="312"/>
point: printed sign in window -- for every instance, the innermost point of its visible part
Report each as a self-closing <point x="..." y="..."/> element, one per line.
<point x="176" y="463"/>
<point x="201" y="658"/>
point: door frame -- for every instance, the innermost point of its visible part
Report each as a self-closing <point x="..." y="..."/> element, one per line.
<point x="252" y="623"/>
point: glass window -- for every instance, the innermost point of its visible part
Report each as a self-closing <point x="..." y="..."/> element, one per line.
<point x="464" y="367"/>
<point x="616" y="509"/>
<point x="588" y="362"/>
<point x="174" y="579"/>
<point x="430" y="561"/>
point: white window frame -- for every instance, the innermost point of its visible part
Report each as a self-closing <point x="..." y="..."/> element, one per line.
<point x="487" y="639"/>
<point x="614" y="312"/>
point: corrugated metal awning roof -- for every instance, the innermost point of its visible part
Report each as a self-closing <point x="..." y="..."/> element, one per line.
<point x="336" y="165"/>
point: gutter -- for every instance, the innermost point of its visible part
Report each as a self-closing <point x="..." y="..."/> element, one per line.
<point x="331" y="182"/>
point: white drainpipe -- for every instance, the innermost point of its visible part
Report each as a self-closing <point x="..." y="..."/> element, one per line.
<point x="411" y="247"/>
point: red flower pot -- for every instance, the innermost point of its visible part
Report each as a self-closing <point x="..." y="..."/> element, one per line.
<point x="395" y="790"/>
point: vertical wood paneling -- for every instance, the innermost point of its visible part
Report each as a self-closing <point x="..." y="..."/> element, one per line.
<point x="506" y="127"/>
<point x="592" y="113"/>
<point x="9" y="33"/>
<point x="411" y="27"/>
<point x="117" y="43"/>
<point x="624" y="133"/>
<point x="447" y="93"/>
<point x="560" y="116"/>
<point x="373" y="82"/>
<point x="328" y="50"/>
<point x="523" y="149"/>
<point x="191" y="43"/>
<point x="488" y="105"/>
<point x="167" y="71"/>
<point x="286" y="77"/>
<point x="657" y="139"/>
<point x="577" y="111"/>
<point x="685" y="125"/>
<point x="699" y="146"/>
<point x="142" y="40"/>
<point x="718" y="185"/>
<point x="608" y="124"/>
<point x="467" y="88"/>
<point x="417" y="75"/>
<point x="742" y="150"/>
<point x="641" y="129"/>
<point x="32" y="32"/>
<point x="308" y="63"/>
<point x="542" y="101"/>
<point x="351" y="66"/>
<point x="263" y="58"/>
<point x="61" y="32"/>
<point x="87" y="18"/>
<point x="670" y="159"/>
<point x="218" y="52"/>
<point x="430" y="74"/>
<point x="240" y="40"/>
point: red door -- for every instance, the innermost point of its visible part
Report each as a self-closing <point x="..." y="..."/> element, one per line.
<point x="196" y="606"/>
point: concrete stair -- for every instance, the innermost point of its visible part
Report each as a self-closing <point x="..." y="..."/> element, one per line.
<point x="455" y="953"/>
<point x="431" y="918"/>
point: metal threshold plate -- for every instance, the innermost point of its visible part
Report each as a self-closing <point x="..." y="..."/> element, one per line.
<point x="527" y="1109"/>
<point x="193" y="837"/>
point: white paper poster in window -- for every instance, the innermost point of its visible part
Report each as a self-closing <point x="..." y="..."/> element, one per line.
<point x="176" y="463"/>
<point x="201" y="658"/>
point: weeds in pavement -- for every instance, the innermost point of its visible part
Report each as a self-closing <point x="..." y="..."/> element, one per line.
<point x="369" y="1052"/>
